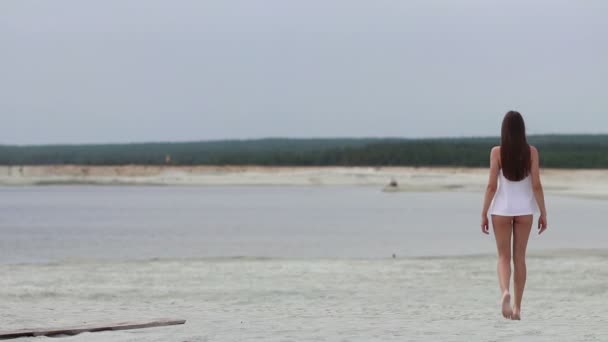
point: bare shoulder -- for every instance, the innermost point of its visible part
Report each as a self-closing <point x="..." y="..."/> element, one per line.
<point x="495" y="151"/>
<point x="533" y="151"/>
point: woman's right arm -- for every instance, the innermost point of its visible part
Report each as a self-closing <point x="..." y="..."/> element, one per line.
<point x="490" y="189"/>
<point x="537" y="187"/>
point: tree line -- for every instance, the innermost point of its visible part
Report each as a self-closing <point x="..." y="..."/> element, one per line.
<point x="558" y="151"/>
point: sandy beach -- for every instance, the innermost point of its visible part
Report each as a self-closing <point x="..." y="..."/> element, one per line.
<point x="584" y="183"/>
<point x="437" y="299"/>
<point x="291" y="263"/>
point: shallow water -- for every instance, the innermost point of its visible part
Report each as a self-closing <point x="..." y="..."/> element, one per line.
<point x="41" y="224"/>
<point x="317" y="265"/>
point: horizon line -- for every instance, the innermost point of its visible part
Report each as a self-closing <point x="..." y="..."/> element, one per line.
<point x="290" y="138"/>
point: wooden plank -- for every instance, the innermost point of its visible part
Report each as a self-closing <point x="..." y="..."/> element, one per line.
<point x="87" y="328"/>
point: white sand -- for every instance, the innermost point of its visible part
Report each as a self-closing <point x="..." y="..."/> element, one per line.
<point x="586" y="183"/>
<point x="420" y="299"/>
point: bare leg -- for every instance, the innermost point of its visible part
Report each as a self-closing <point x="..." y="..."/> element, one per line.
<point x="521" y="232"/>
<point x="503" y="227"/>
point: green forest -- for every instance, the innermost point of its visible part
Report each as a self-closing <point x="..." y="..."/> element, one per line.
<point x="557" y="151"/>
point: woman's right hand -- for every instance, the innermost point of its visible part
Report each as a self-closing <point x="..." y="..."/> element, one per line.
<point x="485" y="224"/>
<point x="542" y="223"/>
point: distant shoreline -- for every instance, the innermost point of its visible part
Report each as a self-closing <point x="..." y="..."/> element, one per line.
<point x="557" y="151"/>
<point x="592" y="183"/>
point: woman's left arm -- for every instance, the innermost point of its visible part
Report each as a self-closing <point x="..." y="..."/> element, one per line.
<point x="490" y="189"/>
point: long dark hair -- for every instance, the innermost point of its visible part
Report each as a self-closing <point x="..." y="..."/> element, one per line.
<point x="514" y="148"/>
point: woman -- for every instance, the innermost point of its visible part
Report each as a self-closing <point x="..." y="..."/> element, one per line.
<point x="513" y="194"/>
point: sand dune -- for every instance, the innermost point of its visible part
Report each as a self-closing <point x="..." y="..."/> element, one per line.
<point x="588" y="183"/>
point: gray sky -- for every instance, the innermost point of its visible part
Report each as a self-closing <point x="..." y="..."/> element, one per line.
<point x="74" y="71"/>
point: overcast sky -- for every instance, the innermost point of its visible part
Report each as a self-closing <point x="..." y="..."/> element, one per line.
<point x="74" y="71"/>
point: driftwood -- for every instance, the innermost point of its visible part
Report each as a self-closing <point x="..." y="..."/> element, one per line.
<point x="4" y="335"/>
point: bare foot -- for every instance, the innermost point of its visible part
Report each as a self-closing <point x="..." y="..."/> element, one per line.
<point x="507" y="312"/>
<point x="516" y="316"/>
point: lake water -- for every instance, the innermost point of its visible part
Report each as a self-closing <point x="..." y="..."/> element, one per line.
<point x="291" y="264"/>
<point x="41" y="224"/>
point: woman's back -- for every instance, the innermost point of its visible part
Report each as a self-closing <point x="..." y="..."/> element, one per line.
<point x="514" y="198"/>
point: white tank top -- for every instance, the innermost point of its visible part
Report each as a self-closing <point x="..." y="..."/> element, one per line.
<point x="513" y="198"/>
